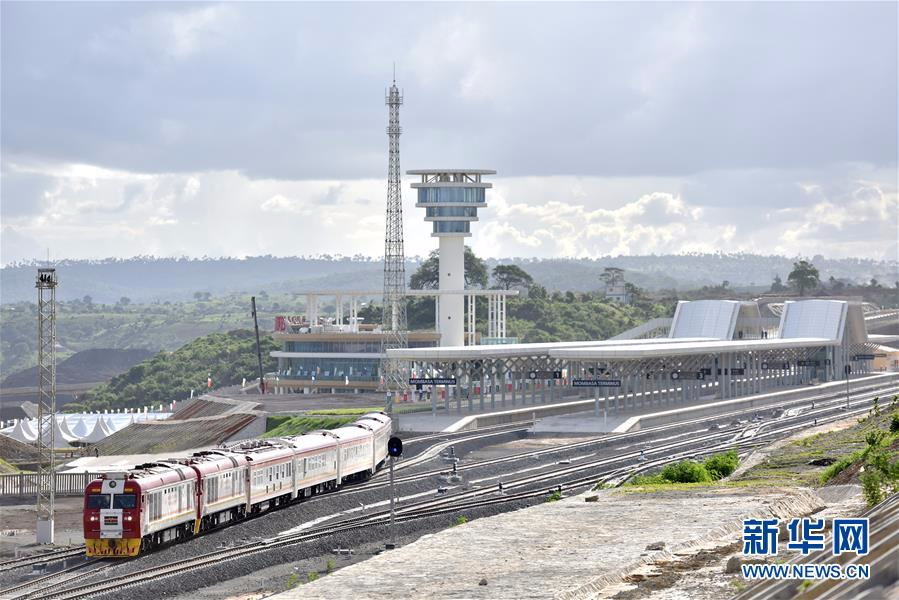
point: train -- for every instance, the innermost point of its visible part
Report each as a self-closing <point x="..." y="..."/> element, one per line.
<point x="131" y="512"/>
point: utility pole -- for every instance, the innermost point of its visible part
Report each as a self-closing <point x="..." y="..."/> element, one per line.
<point x="46" y="405"/>
<point x="258" y="347"/>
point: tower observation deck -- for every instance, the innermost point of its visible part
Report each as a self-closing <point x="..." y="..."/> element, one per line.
<point x="451" y="199"/>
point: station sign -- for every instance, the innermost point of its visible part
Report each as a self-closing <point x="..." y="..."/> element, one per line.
<point x="783" y="366"/>
<point x="808" y="363"/>
<point x="545" y="375"/>
<point x="738" y="371"/>
<point x="706" y="371"/>
<point x="578" y="382"/>
<point x="432" y="381"/>
<point x="675" y="375"/>
<point x="863" y="357"/>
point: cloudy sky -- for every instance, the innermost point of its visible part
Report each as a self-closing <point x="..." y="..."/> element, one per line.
<point x="247" y="129"/>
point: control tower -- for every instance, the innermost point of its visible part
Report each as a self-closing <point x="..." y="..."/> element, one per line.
<point x="451" y="199"/>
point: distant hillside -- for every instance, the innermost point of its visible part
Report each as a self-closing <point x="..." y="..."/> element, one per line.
<point x="87" y="366"/>
<point x="166" y="279"/>
<point x="227" y="357"/>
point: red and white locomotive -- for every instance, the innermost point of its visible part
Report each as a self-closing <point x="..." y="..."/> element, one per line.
<point x="152" y="504"/>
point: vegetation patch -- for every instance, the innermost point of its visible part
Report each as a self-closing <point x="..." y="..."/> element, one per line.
<point x="712" y="469"/>
<point x="6" y="468"/>
<point x="867" y="453"/>
<point x="227" y="358"/>
<point x="281" y="426"/>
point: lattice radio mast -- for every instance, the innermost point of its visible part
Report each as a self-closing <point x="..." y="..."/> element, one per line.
<point x="46" y="405"/>
<point x="393" y="318"/>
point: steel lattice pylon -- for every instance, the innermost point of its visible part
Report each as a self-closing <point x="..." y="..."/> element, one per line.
<point x="46" y="406"/>
<point x="393" y="317"/>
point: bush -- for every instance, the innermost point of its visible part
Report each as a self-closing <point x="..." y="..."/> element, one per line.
<point x="871" y="486"/>
<point x="460" y="520"/>
<point x="329" y="566"/>
<point x="311" y="576"/>
<point x="894" y="423"/>
<point x="686" y="471"/>
<point x="721" y="465"/>
<point x="292" y="581"/>
<point x="554" y="497"/>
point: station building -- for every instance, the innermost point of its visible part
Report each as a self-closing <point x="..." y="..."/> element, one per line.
<point x="338" y="353"/>
<point x="713" y="349"/>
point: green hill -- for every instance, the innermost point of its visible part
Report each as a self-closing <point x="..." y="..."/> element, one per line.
<point x="228" y="357"/>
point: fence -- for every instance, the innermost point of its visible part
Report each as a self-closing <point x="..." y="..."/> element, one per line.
<point x="26" y="484"/>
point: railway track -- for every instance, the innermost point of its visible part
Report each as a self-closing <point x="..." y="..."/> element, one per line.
<point x="446" y="440"/>
<point x="40" y="559"/>
<point x="458" y="435"/>
<point x="821" y="402"/>
<point x="611" y="468"/>
<point x="59" y="578"/>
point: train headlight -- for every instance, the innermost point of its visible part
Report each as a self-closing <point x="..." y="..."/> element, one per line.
<point x="129" y="518"/>
<point x="94" y="518"/>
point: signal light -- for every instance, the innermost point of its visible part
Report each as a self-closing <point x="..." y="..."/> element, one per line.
<point x="394" y="446"/>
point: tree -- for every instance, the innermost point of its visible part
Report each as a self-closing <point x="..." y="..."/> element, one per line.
<point x="427" y="276"/>
<point x="612" y="275"/>
<point x="124" y="300"/>
<point x="87" y="300"/>
<point x="804" y="276"/>
<point x="778" y="285"/>
<point x="512" y="276"/>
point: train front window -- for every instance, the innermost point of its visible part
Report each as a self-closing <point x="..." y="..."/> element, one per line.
<point x="98" y="500"/>
<point x="124" y="501"/>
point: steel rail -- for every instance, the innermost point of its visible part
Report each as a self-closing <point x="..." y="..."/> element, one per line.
<point x="42" y="558"/>
<point x="829" y="398"/>
<point x="452" y="503"/>
<point x="9" y="593"/>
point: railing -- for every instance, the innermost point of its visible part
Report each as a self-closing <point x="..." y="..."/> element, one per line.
<point x="659" y="326"/>
<point x="26" y="484"/>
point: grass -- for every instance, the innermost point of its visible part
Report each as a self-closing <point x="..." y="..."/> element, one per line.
<point x="460" y="520"/>
<point x="554" y="497"/>
<point x="7" y="469"/>
<point x="871" y="442"/>
<point x="841" y="465"/>
<point x="656" y="485"/>
<point x="279" y="426"/>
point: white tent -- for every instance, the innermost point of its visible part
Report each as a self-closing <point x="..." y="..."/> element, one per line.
<point x="64" y="426"/>
<point x="80" y="429"/>
<point x="22" y="432"/>
<point x="97" y="434"/>
<point x="61" y="438"/>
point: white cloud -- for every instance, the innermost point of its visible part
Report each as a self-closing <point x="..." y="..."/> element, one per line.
<point x="83" y="211"/>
